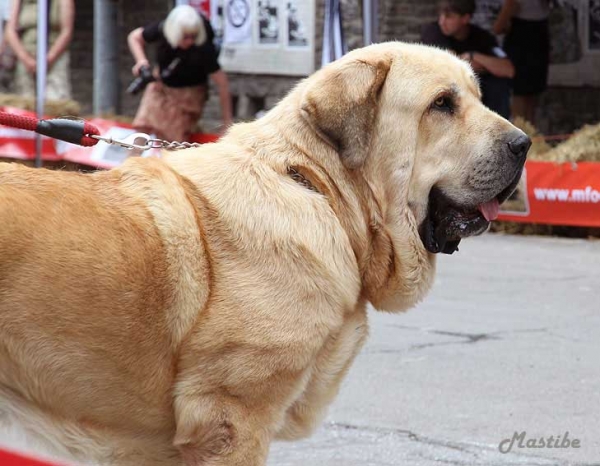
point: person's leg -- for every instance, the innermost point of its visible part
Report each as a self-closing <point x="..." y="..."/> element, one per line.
<point x="150" y="112"/>
<point x="530" y="105"/>
<point x="518" y="106"/>
<point x="24" y="81"/>
<point x="58" y="80"/>
<point x="496" y="94"/>
<point x="190" y="102"/>
<point x="524" y="106"/>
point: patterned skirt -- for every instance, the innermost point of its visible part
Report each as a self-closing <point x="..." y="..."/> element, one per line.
<point x="170" y="113"/>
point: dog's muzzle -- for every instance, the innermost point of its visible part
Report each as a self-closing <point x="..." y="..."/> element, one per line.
<point x="447" y="222"/>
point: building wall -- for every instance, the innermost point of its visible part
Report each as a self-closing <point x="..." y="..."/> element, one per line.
<point x="562" y="109"/>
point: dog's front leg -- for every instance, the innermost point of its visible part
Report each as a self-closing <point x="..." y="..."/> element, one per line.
<point x="332" y="363"/>
<point x="218" y="430"/>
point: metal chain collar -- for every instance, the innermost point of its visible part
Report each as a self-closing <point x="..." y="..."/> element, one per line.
<point x="142" y="142"/>
<point x="301" y="179"/>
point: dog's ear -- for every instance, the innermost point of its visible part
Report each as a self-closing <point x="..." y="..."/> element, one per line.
<point x="341" y="104"/>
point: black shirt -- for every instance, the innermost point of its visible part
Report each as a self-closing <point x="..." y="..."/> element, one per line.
<point x="479" y="40"/>
<point x="195" y="63"/>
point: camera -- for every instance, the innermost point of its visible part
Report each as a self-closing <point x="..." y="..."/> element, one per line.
<point x="141" y="81"/>
<point x="146" y="76"/>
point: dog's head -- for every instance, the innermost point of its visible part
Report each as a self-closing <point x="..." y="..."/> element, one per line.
<point x="408" y="119"/>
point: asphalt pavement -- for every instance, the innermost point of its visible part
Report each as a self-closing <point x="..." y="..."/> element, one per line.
<point x="506" y="345"/>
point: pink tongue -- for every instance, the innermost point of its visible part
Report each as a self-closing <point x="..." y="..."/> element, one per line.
<point x="490" y="210"/>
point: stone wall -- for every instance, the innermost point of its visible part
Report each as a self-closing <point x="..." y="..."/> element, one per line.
<point x="403" y="19"/>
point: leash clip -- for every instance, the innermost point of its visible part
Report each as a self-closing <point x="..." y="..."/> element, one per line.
<point x="135" y="141"/>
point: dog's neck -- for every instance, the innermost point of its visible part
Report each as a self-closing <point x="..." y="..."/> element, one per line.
<point x="312" y="177"/>
<point x="357" y="205"/>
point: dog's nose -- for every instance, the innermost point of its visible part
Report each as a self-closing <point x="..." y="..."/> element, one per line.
<point x="520" y="145"/>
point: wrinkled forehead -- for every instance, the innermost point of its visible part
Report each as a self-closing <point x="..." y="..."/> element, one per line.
<point x="424" y="72"/>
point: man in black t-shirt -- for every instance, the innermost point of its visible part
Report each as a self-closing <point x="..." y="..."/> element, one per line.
<point x="187" y="57"/>
<point x="454" y="31"/>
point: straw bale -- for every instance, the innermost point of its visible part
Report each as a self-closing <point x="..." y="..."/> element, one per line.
<point x="53" y="108"/>
<point x="582" y="146"/>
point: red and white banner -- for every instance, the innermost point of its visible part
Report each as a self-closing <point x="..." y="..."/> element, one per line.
<point x="557" y="194"/>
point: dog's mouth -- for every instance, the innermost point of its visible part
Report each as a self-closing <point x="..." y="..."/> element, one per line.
<point x="447" y="223"/>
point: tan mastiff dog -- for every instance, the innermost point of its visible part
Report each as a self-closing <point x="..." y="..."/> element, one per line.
<point x="190" y="310"/>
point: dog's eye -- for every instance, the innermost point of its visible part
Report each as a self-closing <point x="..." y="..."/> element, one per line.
<point x="443" y="103"/>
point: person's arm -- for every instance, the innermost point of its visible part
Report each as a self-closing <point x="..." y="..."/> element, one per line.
<point x="220" y="79"/>
<point x="67" y="19"/>
<point x="498" y="66"/>
<point x="137" y="44"/>
<point x="13" y="39"/>
<point x="3" y="39"/>
<point x="508" y="10"/>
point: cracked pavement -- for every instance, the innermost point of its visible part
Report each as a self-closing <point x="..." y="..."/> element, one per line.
<point x="507" y="341"/>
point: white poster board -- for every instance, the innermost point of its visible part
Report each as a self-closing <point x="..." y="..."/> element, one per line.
<point x="266" y="36"/>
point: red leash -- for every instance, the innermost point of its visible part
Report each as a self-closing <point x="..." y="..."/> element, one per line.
<point x="73" y="131"/>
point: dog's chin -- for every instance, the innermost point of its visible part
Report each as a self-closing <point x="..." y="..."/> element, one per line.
<point x="445" y="226"/>
<point x="446" y="223"/>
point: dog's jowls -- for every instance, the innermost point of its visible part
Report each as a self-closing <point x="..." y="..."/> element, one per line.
<point x="192" y="309"/>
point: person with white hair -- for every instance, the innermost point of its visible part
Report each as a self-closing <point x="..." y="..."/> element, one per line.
<point x="186" y="55"/>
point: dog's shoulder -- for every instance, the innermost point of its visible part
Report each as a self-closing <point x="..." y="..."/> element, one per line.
<point x="168" y="197"/>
